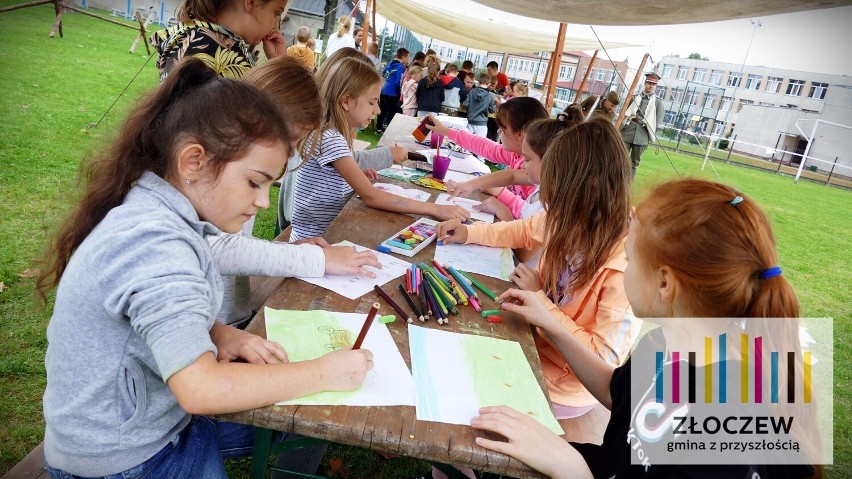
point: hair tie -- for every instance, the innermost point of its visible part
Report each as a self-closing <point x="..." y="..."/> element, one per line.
<point x="771" y="272"/>
<point x="737" y="200"/>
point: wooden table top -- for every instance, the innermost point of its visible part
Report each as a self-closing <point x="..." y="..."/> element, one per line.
<point x="386" y="429"/>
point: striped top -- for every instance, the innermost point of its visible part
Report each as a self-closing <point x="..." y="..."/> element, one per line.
<point x="320" y="192"/>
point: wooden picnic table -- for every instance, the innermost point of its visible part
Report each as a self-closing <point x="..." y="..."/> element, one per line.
<point x="395" y="429"/>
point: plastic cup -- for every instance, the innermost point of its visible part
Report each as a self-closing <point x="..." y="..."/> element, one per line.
<point x="436" y="139"/>
<point x="440" y="165"/>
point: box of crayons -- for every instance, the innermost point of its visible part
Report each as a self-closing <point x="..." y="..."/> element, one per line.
<point x="412" y="239"/>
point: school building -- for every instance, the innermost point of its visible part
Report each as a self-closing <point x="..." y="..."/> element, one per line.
<point x="530" y="68"/>
<point x="452" y="53"/>
<point x="762" y="106"/>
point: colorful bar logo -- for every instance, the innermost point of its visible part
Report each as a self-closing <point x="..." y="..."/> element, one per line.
<point x="751" y="360"/>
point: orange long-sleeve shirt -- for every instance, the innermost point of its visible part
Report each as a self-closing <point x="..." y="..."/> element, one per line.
<point x="598" y="314"/>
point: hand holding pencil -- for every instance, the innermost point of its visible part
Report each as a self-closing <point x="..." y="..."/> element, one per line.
<point x="452" y="231"/>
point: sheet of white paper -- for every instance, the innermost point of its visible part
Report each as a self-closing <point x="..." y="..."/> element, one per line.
<point x="456" y="122"/>
<point x="474" y="258"/>
<point x="410" y="193"/>
<point x="466" y="203"/>
<point x="462" y="163"/>
<point x="355" y="286"/>
<point x="456" y="374"/>
<point x="458" y="176"/>
<point x="310" y="334"/>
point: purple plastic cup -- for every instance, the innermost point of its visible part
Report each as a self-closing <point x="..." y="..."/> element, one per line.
<point x="436" y="139"/>
<point x="440" y="165"/>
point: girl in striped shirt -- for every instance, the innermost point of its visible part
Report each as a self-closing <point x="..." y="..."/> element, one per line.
<point x="331" y="175"/>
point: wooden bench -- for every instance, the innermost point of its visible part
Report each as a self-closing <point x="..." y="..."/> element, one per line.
<point x="30" y="467"/>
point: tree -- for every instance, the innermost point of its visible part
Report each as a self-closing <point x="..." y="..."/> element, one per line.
<point x="330" y="19"/>
<point x="696" y="56"/>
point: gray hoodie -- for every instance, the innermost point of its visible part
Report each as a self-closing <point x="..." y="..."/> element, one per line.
<point x="134" y="306"/>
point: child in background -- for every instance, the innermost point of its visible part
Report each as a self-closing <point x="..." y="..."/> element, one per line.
<point x="580" y="285"/>
<point x="479" y="103"/>
<point x="292" y="87"/>
<point x="513" y="117"/>
<point x="342" y="38"/>
<point x="520" y="90"/>
<point x="301" y="50"/>
<point x="220" y="33"/>
<point x="409" y="91"/>
<point x="390" y="92"/>
<point x="667" y="277"/>
<point x="430" y="90"/>
<point x="327" y="181"/>
<point x="138" y="286"/>
<point x="510" y="92"/>
<point x="373" y="55"/>
<point x="454" y="93"/>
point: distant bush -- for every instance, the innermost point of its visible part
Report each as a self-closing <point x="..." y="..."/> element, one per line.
<point x="722" y="144"/>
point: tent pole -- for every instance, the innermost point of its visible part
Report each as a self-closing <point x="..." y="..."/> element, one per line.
<point x="554" y="71"/>
<point x="366" y="25"/>
<point x="373" y="19"/>
<point x="629" y="99"/>
<point x="585" y="77"/>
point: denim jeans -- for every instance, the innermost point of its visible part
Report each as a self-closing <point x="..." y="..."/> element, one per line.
<point x="197" y="451"/>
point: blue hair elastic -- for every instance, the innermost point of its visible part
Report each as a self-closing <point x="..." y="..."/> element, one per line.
<point x="771" y="272"/>
<point x="737" y="200"/>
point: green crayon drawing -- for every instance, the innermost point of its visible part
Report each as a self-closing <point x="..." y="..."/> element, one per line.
<point x="502" y="375"/>
<point x="308" y="335"/>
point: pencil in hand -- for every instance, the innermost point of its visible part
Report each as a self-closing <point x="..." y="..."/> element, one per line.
<point x="371" y="316"/>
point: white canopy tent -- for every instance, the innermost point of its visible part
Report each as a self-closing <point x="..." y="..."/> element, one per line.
<point x="653" y="12"/>
<point x="461" y="28"/>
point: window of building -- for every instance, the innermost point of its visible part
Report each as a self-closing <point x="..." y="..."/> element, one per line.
<point x="773" y="84"/>
<point x="668" y="117"/>
<point x="600" y="74"/>
<point x="794" y="88"/>
<point x="719" y="128"/>
<point x="692" y="97"/>
<point x="734" y="79"/>
<point x="716" y="77"/>
<point x="818" y="90"/>
<point x="682" y="72"/>
<point x="698" y="74"/>
<point x="511" y="65"/>
<point x="561" y="94"/>
<point x="667" y="71"/>
<point x="441" y="52"/>
<point x="613" y="77"/>
<point x="450" y="52"/>
<point x="661" y="92"/>
<point x="569" y="72"/>
<point x="763" y="103"/>
<point x="709" y="100"/>
<point x="743" y="103"/>
<point x="563" y="72"/>
<point x="726" y="103"/>
<point x="753" y="82"/>
<point x="676" y="94"/>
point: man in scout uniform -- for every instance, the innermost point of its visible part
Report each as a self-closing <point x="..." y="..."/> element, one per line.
<point x="605" y="107"/>
<point x="641" y="119"/>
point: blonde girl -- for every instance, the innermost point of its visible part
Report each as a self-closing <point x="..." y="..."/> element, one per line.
<point x="221" y="33"/>
<point x="135" y="356"/>
<point x="697" y="249"/>
<point x="585" y="184"/>
<point x="341" y="38"/>
<point x="409" y="90"/>
<point x="330" y="177"/>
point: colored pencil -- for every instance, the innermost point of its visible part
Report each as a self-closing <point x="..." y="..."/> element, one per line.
<point x="393" y="304"/>
<point x="410" y="302"/>
<point x="433" y="301"/>
<point x="439" y="301"/>
<point x="371" y="316"/>
<point x="447" y="299"/>
<point x="475" y="305"/>
<point x="468" y="288"/>
<point x="440" y="268"/>
<point x="479" y="285"/>
<point x="424" y="302"/>
<point x="408" y="280"/>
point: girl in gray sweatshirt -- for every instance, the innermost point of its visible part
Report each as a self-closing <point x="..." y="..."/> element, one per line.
<point x="133" y="342"/>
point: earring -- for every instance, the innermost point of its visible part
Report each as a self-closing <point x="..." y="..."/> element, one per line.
<point x="188" y="181"/>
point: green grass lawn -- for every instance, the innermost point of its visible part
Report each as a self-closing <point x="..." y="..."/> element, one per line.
<point x="52" y="89"/>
